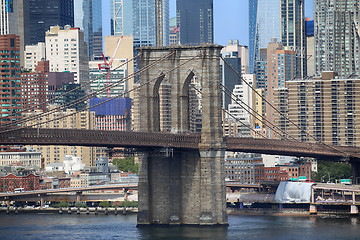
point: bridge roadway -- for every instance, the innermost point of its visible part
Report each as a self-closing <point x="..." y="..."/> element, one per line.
<point x="184" y="141"/>
<point x="4" y="196"/>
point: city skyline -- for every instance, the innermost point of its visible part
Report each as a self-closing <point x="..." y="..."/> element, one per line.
<point x="221" y="18"/>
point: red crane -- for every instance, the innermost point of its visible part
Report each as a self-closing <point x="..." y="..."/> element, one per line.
<point x="107" y="67"/>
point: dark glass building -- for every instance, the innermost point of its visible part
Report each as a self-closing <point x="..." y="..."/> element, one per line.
<point x="67" y="99"/>
<point x="46" y="13"/>
<point x="195" y="20"/>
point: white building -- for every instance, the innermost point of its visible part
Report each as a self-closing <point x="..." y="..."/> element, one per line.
<point x="72" y="164"/>
<point x="54" y="167"/>
<point x="67" y="51"/>
<point x="34" y="54"/>
<point x="234" y="49"/>
<point x="28" y="158"/>
<point x="241" y="108"/>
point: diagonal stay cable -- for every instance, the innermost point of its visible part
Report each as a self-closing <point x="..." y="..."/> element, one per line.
<point x="86" y="97"/>
<point x="292" y="122"/>
<point x="232" y="115"/>
<point x="231" y="95"/>
<point x="110" y="99"/>
<point x="68" y="92"/>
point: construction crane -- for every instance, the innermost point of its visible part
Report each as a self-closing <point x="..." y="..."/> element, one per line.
<point x="107" y="67"/>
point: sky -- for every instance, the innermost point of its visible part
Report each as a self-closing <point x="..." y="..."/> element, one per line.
<point x="231" y="19"/>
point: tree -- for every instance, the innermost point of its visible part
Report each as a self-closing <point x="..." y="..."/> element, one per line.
<point x="61" y="204"/>
<point x="104" y="204"/>
<point x="126" y="164"/>
<point x="333" y="170"/>
<point x="80" y="205"/>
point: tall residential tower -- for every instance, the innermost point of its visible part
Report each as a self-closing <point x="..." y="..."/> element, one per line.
<point x="337" y="36"/>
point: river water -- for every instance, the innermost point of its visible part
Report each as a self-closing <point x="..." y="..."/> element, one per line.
<point x="55" y="226"/>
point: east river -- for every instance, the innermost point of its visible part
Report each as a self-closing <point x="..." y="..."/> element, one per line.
<point x="55" y="226"/>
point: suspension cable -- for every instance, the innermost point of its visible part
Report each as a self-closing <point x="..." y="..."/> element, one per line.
<point x="72" y="90"/>
<point x="283" y="115"/>
<point x="86" y="97"/>
<point x="117" y="96"/>
<point x="231" y="95"/>
<point x="232" y="115"/>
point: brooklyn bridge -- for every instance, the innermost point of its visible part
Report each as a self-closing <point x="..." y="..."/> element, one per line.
<point x="188" y="186"/>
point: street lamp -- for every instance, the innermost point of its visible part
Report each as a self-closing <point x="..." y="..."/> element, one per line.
<point x="322" y="178"/>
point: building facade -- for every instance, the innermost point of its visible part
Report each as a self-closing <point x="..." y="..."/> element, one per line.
<point x="293" y="32"/>
<point x="196" y="21"/>
<point x="246" y="169"/>
<point x="113" y="115"/>
<point x="25" y="159"/>
<point x="174" y="32"/>
<point x="10" y="182"/>
<point x="10" y="79"/>
<point x="88" y="17"/>
<point x="46" y="13"/>
<point x="323" y="107"/>
<point x="99" y="78"/>
<point x="34" y="88"/>
<point x="14" y="19"/>
<point x="281" y="67"/>
<point x="264" y="24"/>
<point x="70" y="119"/>
<point x="337" y="37"/>
<point x="310" y="47"/>
<point x="33" y="55"/>
<point x="67" y="51"/>
<point x="67" y="96"/>
<point x="146" y="20"/>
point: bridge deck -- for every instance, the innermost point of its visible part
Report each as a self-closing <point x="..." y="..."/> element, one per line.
<point x="141" y="140"/>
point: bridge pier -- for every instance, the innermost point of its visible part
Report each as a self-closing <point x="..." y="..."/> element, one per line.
<point x="186" y="189"/>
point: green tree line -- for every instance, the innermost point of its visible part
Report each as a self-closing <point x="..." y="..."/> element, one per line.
<point x="126" y="164"/>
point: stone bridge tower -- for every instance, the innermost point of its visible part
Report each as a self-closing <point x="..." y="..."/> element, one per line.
<point x="187" y="187"/>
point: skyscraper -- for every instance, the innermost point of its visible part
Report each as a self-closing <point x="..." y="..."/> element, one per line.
<point x="10" y="86"/>
<point x="66" y="50"/>
<point x="293" y="32"/>
<point x="337" y="36"/>
<point x="264" y="24"/>
<point x="88" y="17"/>
<point x="195" y="20"/>
<point x="46" y="13"/>
<point x="146" y="20"/>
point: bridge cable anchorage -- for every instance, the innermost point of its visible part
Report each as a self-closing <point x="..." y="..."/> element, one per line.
<point x="232" y="115"/>
<point x="272" y="106"/>
<point x="86" y="97"/>
<point x="232" y="95"/>
<point x="68" y="92"/>
<point x="120" y="95"/>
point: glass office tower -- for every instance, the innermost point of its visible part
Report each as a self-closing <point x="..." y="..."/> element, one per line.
<point x="144" y="19"/>
<point x="264" y="24"/>
<point x="46" y="13"/>
<point x="88" y="17"/>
